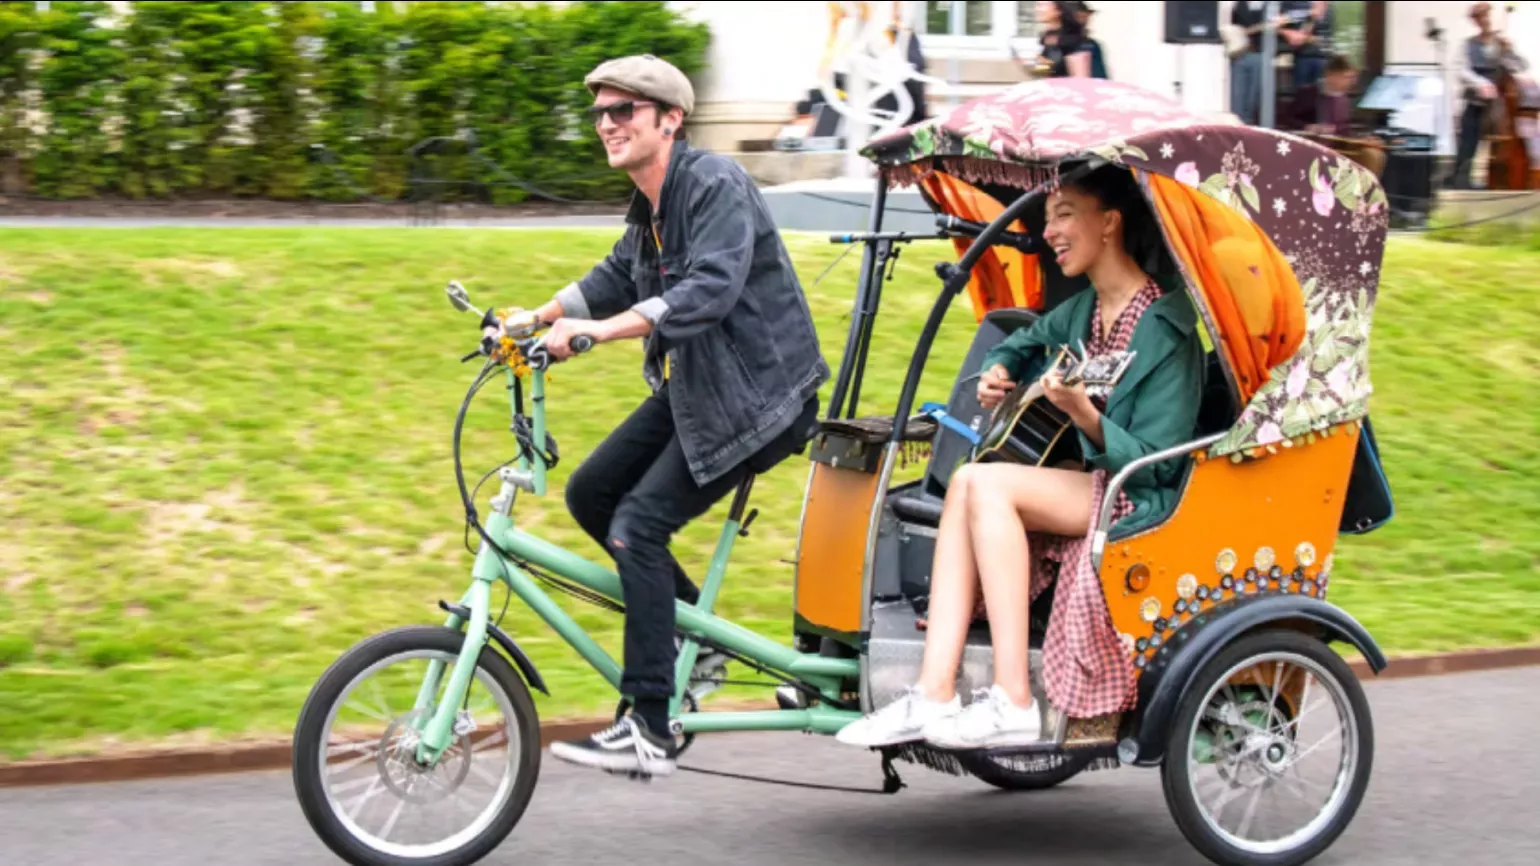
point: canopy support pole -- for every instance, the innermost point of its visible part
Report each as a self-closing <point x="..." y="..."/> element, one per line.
<point x="868" y="289"/>
<point x="1269" y="70"/>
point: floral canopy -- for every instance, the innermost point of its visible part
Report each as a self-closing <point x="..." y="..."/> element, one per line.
<point x="1322" y="217"/>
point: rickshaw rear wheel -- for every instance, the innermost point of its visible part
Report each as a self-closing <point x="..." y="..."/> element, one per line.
<point x="1197" y="710"/>
<point x="1006" y="774"/>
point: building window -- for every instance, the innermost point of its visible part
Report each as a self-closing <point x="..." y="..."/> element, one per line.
<point x="1026" y="18"/>
<point x="974" y="24"/>
<point x="959" y="17"/>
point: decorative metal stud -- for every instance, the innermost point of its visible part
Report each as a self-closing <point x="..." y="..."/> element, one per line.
<point x="1149" y="609"/>
<point x="1181" y="606"/>
<point x="1194" y="606"/>
<point x="1276" y="572"/>
<point x="1298" y="575"/>
<point x="1264" y="558"/>
<point x="1228" y="582"/>
<point x="1226" y="561"/>
<point x="1160" y="624"/>
<point x="1137" y="578"/>
<point x="1155" y="641"/>
<point x="1310" y="587"/>
<point x="1202" y="592"/>
<point x="1187" y="585"/>
<point x="1304" y="554"/>
<point x="1251" y="575"/>
<point x="1142" y="644"/>
<point x="1139" y="662"/>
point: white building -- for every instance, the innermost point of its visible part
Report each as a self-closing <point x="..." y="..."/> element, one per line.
<point x="766" y="56"/>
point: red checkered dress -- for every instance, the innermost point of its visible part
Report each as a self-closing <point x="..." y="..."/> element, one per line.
<point x="1086" y="670"/>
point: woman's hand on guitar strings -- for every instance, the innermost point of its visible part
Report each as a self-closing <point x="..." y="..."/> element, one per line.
<point x="1072" y="400"/>
<point x="994" y="385"/>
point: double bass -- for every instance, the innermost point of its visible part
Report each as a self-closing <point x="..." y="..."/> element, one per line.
<point x="1517" y="98"/>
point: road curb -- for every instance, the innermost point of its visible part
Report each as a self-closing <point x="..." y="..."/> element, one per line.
<point x="276" y="755"/>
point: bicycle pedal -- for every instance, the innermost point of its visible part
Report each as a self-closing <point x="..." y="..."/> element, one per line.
<point x="632" y="775"/>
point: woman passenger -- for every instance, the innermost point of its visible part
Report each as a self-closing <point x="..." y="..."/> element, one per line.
<point x="999" y="517"/>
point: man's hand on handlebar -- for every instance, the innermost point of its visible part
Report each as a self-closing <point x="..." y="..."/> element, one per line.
<point x="559" y="340"/>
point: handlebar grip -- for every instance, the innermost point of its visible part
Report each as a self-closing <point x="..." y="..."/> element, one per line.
<point x="581" y="343"/>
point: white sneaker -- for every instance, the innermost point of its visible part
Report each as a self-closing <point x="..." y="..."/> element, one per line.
<point x="900" y="721"/>
<point x="992" y="720"/>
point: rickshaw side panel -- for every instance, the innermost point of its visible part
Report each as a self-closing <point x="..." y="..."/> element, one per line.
<point x="831" y="555"/>
<point x="1268" y="525"/>
<point x="1260" y="513"/>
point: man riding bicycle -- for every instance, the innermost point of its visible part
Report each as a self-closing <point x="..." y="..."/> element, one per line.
<point x="732" y="356"/>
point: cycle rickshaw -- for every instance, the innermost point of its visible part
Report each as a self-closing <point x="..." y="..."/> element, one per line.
<point x="1220" y="605"/>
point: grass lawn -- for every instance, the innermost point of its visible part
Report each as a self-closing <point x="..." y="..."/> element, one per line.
<point x="225" y="457"/>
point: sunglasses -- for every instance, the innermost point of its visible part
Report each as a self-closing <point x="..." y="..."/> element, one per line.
<point x="619" y="112"/>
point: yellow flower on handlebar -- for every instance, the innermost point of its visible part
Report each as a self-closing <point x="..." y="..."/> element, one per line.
<point x="507" y="352"/>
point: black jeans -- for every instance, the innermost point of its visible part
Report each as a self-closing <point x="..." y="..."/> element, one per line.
<point x="631" y="495"/>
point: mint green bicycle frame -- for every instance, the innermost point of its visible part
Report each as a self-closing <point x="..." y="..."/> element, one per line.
<point x="823" y="674"/>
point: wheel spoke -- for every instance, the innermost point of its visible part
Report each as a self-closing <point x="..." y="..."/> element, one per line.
<point x="1272" y="702"/>
<point x="374" y="788"/>
<point x="370" y="753"/>
<point x="1250" y="813"/>
<point x="390" y="823"/>
<point x="1326" y="738"/>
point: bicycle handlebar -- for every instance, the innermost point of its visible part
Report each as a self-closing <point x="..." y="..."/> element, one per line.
<point x="532" y="349"/>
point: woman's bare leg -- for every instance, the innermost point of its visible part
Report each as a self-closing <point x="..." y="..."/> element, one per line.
<point x="953" y="590"/>
<point x="1002" y="510"/>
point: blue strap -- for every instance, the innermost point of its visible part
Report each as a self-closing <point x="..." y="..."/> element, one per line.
<point x="938" y="412"/>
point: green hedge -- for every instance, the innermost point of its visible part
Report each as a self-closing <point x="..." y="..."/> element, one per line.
<point x="298" y="100"/>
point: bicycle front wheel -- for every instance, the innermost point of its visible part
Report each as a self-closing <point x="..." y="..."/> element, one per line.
<point x="355" y="768"/>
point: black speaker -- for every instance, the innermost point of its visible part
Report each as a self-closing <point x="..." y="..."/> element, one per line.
<point x="1408" y="182"/>
<point x="1191" y="22"/>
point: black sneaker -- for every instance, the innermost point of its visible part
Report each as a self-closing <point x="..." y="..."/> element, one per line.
<point x="627" y="747"/>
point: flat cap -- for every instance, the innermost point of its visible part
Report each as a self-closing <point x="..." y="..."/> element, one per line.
<point x="647" y="75"/>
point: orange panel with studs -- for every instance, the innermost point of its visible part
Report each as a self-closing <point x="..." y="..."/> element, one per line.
<point x="1265" y="525"/>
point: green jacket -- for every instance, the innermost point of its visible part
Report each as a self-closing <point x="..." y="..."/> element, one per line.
<point x="1153" y="407"/>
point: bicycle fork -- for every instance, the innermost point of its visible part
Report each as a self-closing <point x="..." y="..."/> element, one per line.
<point x="439" y="730"/>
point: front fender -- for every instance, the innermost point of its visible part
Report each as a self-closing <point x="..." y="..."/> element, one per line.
<point x="514" y="651"/>
<point x="1177" y="663"/>
<point x="520" y="659"/>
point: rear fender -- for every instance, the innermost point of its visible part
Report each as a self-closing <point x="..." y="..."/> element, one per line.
<point x="1177" y="663"/>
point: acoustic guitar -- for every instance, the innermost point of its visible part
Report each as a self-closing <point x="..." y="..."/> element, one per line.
<point x="1029" y="430"/>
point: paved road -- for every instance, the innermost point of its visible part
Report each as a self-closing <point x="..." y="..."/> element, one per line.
<point x="1456" y="781"/>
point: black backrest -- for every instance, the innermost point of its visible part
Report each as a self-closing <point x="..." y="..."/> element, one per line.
<point x="950" y="447"/>
<point x="1216" y="410"/>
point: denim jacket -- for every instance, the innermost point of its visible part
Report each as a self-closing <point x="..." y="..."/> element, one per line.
<point x="726" y="308"/>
